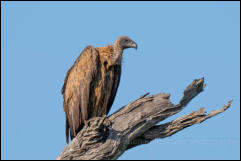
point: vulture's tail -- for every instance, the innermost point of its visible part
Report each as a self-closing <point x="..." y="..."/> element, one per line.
<point x="67" y="130"/>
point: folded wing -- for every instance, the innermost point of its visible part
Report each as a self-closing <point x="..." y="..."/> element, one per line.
<point x="78" y="85"/>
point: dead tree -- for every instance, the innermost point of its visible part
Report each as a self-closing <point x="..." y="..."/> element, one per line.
<point x="135" y="124"/>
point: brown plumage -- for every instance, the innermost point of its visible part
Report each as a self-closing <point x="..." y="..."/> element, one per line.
<point x="91" y="83"/>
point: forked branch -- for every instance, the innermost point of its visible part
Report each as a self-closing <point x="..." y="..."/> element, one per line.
<point x="135" y="124"/>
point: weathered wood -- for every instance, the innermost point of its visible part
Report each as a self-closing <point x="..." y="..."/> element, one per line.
<point x="135" y="124"/>
<point x="170" y="128"/>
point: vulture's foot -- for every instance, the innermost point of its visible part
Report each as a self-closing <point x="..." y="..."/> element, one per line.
<point x="107" y="122"/>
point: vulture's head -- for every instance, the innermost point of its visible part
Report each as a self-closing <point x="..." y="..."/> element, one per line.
<point x="120" y="44"/>
<point x="125" y="42"/>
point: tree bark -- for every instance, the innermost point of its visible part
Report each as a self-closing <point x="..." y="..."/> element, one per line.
<point x="135" y="124"/>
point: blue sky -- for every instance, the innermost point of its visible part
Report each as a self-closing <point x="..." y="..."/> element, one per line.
<point x="177" y="42"/>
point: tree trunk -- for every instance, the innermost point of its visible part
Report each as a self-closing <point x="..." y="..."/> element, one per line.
<point x="135" y="124"/>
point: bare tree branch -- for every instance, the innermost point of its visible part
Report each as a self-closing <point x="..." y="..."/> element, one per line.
<point x="135" y="124"/>
<point x="170" y="128"/>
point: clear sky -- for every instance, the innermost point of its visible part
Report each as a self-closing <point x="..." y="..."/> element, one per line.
<point x="177" y="42"/>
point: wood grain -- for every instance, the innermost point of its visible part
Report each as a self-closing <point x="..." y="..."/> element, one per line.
<point x="135" y="124"/>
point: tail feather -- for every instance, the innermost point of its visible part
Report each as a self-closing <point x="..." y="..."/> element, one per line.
<point x="67" y="130"/>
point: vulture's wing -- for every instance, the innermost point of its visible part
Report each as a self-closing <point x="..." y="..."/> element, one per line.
<point x="76" y="90"/>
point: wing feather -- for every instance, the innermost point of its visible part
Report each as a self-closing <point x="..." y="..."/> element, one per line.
<point x="116" y="81"/>
<point x="76" y="90"/>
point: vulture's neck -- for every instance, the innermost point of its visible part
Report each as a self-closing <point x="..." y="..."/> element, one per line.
<point x="117" y="55"/>
<point x="118" y="50"/>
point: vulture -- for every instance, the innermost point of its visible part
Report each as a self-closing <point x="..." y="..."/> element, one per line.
<point x="91" y="84"/>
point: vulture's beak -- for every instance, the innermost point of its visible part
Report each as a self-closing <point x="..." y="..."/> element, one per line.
<point x="134" y="45"/>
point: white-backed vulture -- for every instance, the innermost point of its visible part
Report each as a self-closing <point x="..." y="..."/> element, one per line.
<point x="91" y="83"/>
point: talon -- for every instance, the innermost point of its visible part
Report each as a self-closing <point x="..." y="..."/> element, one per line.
<point x="107" y="122"/>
